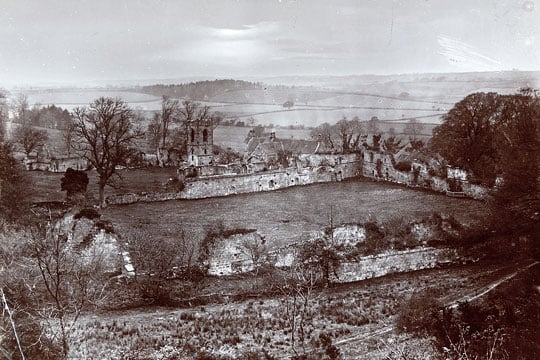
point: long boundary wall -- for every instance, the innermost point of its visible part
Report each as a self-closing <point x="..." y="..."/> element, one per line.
<point x="225" y="185"/>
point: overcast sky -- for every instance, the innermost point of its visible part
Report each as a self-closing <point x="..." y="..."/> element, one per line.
<point x="45" y="41"/>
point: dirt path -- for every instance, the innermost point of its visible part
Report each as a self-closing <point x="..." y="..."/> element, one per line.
<point x="488" y="288"/>
<point x="350" y="342"/>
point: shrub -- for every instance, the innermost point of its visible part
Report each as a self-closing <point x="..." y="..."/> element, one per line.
<point x="256" y="355"/>
<point x="175" y="184"/>
<point x="89" y="213"/>
<point x="105" y="225"/>
<point x="397" y="226"/>
<point x="374" y="239"/>
<point x="74" y="182"/>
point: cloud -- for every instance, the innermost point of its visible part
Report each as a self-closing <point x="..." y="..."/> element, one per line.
<point x="250" y="31"/>
<point x="222" y="47"/>
<point x="464" y="55"/>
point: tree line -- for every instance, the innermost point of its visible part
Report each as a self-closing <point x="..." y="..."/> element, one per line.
<point x="200" y="90"/>
<point x="348" y="136"/>
<point x="497" y="137"/>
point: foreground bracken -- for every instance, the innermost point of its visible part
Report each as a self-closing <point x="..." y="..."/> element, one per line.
<point x="358" y="318"/>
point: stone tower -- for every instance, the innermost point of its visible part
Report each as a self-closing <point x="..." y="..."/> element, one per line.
<point x="200" y="141"/>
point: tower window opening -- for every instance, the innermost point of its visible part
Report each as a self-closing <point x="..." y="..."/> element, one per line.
<point x="205" y="135"/>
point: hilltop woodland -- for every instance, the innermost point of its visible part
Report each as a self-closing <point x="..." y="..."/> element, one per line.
<point x="46" y="284"/>
<point x="200" y="90"/>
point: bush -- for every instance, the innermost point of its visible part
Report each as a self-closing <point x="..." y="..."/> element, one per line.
<point x="375" y="242"/>
<point x="89" y="213"/>
<point x="174" y="184"/>
<point x="105" y="225"/>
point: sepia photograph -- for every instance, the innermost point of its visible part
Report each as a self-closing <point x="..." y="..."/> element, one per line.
<point x="270" y="179"/>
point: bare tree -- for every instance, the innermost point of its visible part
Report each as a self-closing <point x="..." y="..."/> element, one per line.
<point x="325" y="134"/>
<point x="192" y="111"/>
<point x="30" y="138"/>
<point x="21" y="333"/>
<point x="413" y="128"/>
<point x="158" y="261"/>
<point x="160" y="125"/>
<point x="392" y="144"/>
<point x="71" y="281"/>
<point x="68" y="135"/>
<point x="22" y="109"/>
<point x="349" y="133"/>
<point x="298" y="295"/>
<point x="255" y="248"/>
<point x="105" y="136"/>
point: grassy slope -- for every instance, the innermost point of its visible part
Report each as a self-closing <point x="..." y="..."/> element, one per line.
<point x="349" y="313"/>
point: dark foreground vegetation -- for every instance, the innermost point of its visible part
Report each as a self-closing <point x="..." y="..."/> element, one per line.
<point x="502" y="325"/>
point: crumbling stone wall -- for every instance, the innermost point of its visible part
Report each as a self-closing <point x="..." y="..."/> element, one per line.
<point x="198" y="188"/>
<point x="90" y="242"/>
<point x="230" y="255"/>
<point x="393" y="262"/>
<point x="379" y="166"/>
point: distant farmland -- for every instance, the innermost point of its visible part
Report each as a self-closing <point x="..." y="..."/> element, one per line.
<point x="330" y="109"/>
<point x="391" y="98"/>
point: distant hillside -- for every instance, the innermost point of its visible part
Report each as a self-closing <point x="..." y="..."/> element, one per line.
<point x="200" y="90"/>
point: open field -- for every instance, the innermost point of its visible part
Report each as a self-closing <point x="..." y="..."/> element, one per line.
<point x="352" y="315"/>
<point x="288" y="215"/>
<point x="72" y="98"/>
<point x="283" y="216"/>
<point x="47" y="184"/>
<point x="323" y="99"/>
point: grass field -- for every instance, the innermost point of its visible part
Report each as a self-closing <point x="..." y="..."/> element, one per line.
<point x="282" y="216"/>
<point x="234" y="137"/>
<point x="288" y="215"/>
<point x="47" y="184"/>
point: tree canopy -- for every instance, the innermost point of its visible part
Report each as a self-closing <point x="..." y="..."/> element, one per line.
<point x="30" y="138"/>
<point x="465" y="138"/>
<point x="344" y="136"/>
<point x="14" y="186"/>
<point x="493" y="136"/>
<point x="105" y="136"/>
